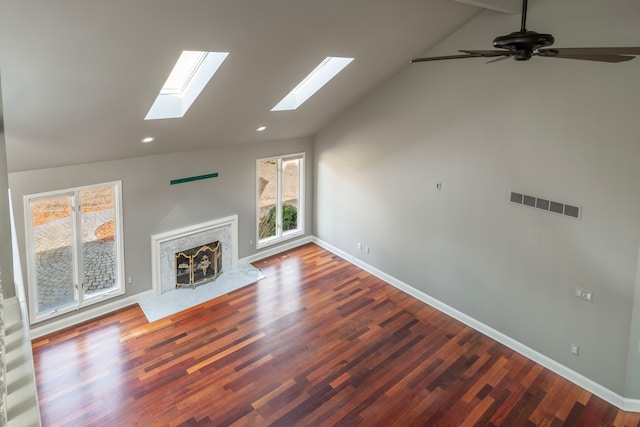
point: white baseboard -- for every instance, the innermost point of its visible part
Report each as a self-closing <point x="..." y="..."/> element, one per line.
<point x="274" y="250"/>
<point x="632" y="405"/>
<point x="88" y="314"/>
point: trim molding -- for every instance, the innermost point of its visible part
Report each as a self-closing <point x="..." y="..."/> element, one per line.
<point x="631" y="405"/>
<point x="85" y="315"/>
<point x="274" y="250"/>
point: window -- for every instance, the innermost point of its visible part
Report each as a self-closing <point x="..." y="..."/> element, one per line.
<point x="74" y="248"/>
<point x="280" y="198"/>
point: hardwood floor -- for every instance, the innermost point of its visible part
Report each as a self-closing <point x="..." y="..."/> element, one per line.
<point x="318" y="342"/>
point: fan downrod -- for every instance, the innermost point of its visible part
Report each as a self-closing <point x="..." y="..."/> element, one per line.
<point x="523" y="43"/>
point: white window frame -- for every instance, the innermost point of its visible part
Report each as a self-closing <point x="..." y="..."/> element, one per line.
<point x="83" y="300"/>
<point x="281" y="236"/>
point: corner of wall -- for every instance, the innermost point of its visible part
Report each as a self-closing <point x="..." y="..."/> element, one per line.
<point x="632" y="385"/>
<point x="6" y="263"/>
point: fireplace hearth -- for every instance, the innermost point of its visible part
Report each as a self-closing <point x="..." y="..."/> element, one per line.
<point x="198" y="265"/>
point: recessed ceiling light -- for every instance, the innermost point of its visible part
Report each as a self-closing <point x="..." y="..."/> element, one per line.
<point x="261" y="128"/>
<point x="324" y="72"/>
<point x="147" y="139"/>
<point x="189" y="76"/>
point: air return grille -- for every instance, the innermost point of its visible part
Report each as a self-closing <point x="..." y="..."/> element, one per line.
<point x="546" y="205"/>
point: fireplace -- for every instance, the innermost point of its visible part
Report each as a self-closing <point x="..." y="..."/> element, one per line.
<point x="198" y="265"/>
<point x="166" y="245"/>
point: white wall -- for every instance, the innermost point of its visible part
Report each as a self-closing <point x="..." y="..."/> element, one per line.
<point x="563" y="130"/>
<point x="151" y="205"/>
<point x="6" y="259"/>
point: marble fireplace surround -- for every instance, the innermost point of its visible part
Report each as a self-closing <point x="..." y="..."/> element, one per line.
<point x="165" y="245"/>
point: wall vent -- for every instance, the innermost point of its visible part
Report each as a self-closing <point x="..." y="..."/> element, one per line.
<point x="545" y="205"/>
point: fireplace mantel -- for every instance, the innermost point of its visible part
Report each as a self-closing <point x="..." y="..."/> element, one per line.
<point x="165" y="245"/>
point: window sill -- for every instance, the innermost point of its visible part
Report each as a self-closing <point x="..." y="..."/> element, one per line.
<point x="275" y="240"/>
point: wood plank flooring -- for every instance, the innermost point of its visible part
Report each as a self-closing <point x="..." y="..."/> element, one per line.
<point x="319" y="342"/>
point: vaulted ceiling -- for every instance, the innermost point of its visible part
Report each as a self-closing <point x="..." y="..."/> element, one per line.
<point x="78" y="76"/>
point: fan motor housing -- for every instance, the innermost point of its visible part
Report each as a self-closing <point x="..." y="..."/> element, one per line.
<point x="523" y="43"/>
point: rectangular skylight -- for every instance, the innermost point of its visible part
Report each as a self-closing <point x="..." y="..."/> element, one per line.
<point x="182" y="73"/>
<point x="189" y="76"/>
<point x="324" y="72"/>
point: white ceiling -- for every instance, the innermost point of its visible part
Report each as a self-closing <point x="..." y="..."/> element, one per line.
<point x="78" y="76"/>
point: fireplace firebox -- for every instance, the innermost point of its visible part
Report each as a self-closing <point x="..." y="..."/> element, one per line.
<point x="198" y="265"/>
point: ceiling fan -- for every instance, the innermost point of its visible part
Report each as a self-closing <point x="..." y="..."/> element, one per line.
<point x="524" y="44"/>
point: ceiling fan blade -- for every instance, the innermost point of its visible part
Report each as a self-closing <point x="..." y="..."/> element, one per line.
<point x="439" y="58"/>
<point x="598" y="58"/>
<point x="489" y="53"/>
<point x="585" y="54"/>
<point x="498" y="59"/>
<point x="468" y="54"/>
<point x="499" y="55"/>
<point x="630" y="50"/>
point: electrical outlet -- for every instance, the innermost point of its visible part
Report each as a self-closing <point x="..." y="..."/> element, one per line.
<point x="575" y="350"/>
<point x="359" y="246"/>
<point x="585" y="295"/>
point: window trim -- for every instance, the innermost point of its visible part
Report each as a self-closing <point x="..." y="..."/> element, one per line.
<point x="289" y="234"/>
<point x="83" y="300"/>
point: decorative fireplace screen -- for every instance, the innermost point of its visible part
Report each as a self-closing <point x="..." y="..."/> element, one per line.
<point x="198" y="265"/>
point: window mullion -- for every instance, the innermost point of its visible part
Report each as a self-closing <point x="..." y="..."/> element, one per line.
<point x="78" y="276"/>
<point x="279" y="199"/>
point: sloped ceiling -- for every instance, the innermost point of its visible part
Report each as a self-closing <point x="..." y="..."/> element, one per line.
<point x="79" y="76"/>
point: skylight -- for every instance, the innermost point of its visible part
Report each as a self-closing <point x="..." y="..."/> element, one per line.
<point x="182" y="72"/>
<point x="324" y="72"/>
<point x="189" y="76"/>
